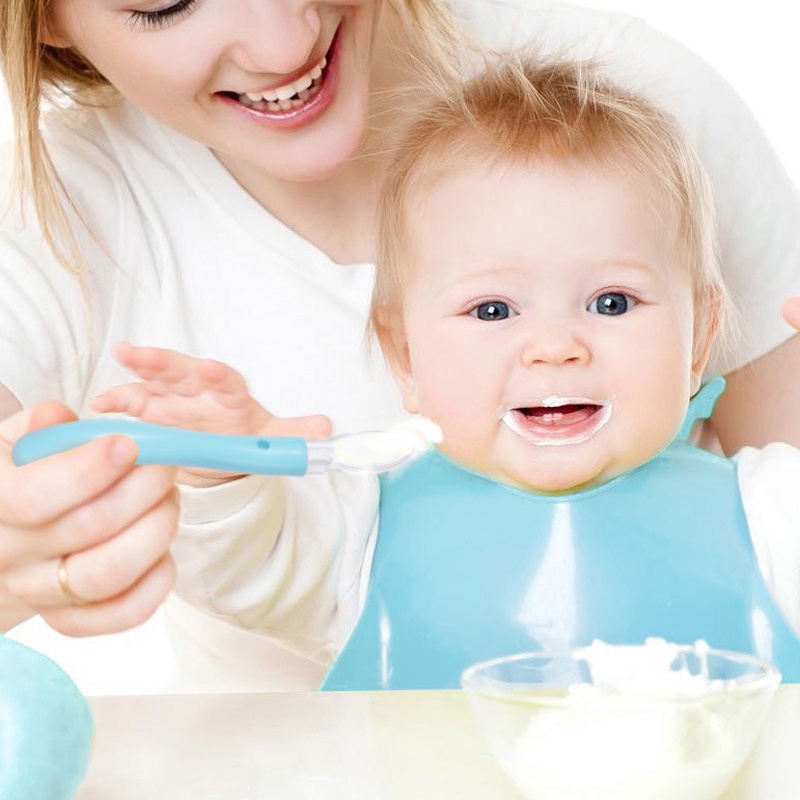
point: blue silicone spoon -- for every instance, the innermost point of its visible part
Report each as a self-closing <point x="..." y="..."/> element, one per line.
<point x="265" y="455"/>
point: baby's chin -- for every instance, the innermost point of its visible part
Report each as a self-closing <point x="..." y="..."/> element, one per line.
<point x="554" y="483"/>
<point x="546" y="474"/>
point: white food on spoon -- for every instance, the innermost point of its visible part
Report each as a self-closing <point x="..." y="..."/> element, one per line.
<point x="376" y="451"/>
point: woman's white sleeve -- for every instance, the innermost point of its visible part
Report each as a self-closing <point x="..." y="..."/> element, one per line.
<point x="45" y="333"/>
<point x="769" y="480"/>
<point x="278" y="556"/>
<point x="54" y="324"/>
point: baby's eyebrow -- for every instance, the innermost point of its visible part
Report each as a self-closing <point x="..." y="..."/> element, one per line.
<point x="494" y="272"/>
<point x="630" y="265"/>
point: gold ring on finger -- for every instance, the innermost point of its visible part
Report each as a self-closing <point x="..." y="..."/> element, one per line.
<point x="63" y="583"/>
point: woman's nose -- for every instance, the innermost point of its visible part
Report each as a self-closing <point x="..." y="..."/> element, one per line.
<point x="555" y="342"/>
<point x="273" y="36"/>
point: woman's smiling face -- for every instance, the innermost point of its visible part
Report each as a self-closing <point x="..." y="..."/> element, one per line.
<point x="549" y="322"/>
<point x="279" y="86"/>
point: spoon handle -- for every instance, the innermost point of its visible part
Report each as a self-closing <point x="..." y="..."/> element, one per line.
<point x="161" y="444"/>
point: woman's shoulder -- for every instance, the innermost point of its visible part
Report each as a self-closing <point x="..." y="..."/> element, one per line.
<point x="86" y="142"/>
<point x="95" y="185"/>
<point x="119" y="168"/>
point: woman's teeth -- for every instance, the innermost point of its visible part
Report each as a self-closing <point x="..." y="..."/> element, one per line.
<point x="291" y="95"/>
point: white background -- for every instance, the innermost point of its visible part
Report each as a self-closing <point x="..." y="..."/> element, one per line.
<point x="755" y="46"/>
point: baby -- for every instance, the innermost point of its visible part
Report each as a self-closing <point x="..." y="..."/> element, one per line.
<point x="547" y="292"/>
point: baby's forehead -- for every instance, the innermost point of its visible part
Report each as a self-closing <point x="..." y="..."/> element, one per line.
<point x="472" y="198"/>
<point x="463" y="241"/>
<point x="478" y="164"/>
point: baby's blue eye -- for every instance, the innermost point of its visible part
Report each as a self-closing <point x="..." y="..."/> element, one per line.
<point x="611" y="304"/>
<point x="492" y="311"/>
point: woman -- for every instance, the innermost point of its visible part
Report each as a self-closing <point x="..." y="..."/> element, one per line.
<point x="214" y="194"/>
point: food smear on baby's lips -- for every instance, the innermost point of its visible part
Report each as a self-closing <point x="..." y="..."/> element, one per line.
<point x="377" y="450"/>
<point x="641" y="729"/>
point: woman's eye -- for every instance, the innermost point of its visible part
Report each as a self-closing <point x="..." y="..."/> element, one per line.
<point x="151" y="20"/>
<point x="492" y="311"/>
<point x="611" y="304"/>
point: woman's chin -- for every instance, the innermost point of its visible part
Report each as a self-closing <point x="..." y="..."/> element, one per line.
<point x="338" y="152"/>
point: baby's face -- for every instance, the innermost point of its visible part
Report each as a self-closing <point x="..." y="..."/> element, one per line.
<point x="549" y="324"/>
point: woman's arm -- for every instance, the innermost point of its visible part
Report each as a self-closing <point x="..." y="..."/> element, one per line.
<point x="768" y="480"/>
<point x="761" y="403"/>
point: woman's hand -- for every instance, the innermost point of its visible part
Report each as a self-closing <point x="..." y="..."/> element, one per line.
<point x="84" y="535"/>
<point x="791" y="312"/>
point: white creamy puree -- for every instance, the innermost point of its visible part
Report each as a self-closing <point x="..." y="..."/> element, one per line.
<point x="625" y="737"/>
<point x="380" y="450"/>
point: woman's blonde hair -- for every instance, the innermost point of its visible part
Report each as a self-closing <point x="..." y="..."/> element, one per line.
<point x="33" y="73"/>
<point x="520" y="109"/>
<point x="36" y="72"/>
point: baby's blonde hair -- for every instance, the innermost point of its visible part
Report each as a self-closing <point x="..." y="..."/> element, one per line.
<point x="521" y="109"/>
<point x="35" y="72"/>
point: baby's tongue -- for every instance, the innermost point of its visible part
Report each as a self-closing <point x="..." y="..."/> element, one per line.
<point x="559" y="415"/>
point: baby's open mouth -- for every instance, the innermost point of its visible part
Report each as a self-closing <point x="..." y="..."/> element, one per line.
<point x="558" y="421"/>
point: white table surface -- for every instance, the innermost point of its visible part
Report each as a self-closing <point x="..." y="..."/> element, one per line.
<point x="343" y="746"/>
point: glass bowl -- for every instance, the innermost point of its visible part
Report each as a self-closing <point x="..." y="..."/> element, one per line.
<point x="642" y="722"/>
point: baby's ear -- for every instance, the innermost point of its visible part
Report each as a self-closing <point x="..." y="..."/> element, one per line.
<point x="708" y="322"/>
<point x="387" y="324"/>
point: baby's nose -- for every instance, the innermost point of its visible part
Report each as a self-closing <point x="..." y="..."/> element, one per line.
<point x="555" y="342"/>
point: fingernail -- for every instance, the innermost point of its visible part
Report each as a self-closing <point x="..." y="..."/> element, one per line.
<point x="123" y="452"/>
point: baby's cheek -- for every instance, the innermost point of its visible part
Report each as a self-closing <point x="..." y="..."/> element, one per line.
<point x="466" y="443"/>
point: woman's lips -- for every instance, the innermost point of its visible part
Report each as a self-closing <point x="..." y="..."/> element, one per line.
<point x="558" y="422"/>
<point x="314" y="102"/>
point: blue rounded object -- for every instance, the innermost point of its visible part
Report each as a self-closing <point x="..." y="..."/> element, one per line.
<point x="46" y="727"/>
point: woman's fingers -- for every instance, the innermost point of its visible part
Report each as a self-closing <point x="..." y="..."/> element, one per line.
<point x="791" y="311"/>
<point x="49" y="413"/>
<point x="100" y="573"/>
<point x="92" y="522"/>
<point x="122" y="612"/>
<point x="107" y="570"/>
<point x="39" y="492"/>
